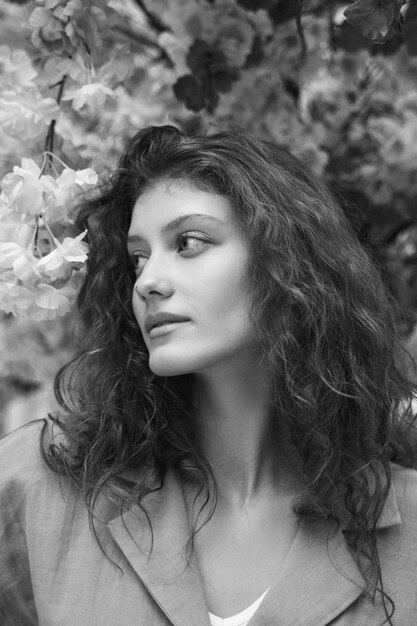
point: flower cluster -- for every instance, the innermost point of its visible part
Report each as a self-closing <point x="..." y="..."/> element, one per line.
<point x="211" y="43"/>
<point x="72" y="74"/>
<point x="39" y="258"/>
<point x="68" y="26"/>
<point x="24" y="112"/>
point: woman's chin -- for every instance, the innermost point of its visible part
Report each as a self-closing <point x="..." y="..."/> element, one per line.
<point x="168" y="367"/>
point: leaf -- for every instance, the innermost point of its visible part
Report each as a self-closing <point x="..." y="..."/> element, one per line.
<point x="349" y="38"/>
<point x="189" y="91"/>
<point x="389" y="46"/>
<point x="203" y="57"/>
<point x="376" y="19"/>
<point x="222" y="81"/>
<point x="211" y="72"/>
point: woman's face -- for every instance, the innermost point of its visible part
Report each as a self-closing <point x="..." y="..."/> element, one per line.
<point x="190" y="262"/>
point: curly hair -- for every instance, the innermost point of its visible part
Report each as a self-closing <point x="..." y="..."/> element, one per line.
<point x="322" y="314"/>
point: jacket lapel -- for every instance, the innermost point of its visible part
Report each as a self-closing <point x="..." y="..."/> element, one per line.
<point x="174" y="584"/>
<point x="319" y="579"/>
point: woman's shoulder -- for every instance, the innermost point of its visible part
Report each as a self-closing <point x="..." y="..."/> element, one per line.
<point x="21" y="462"/>
<point x="30" y="489"/>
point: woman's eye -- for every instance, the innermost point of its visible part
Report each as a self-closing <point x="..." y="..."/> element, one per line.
<point x="191" y="242"/>
<point x="138" y="260"/>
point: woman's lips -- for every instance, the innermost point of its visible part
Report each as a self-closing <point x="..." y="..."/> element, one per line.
<point x="165" y="329"/>
<point x="162" y="317"/>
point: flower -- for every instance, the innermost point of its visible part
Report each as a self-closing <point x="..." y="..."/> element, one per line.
<point x="51" y="299"/>
<point x="117" y="68"/>
<point x="54" y="266"/>
<point x="16" y="68"/>
<point x="182" y="16"/>
<point x="57" y="264"/>
<point x="82" y="178"/>
<point x="323" y="99"/>
<point x="91" y="96"/>
<point x="14" y="230"/>
<point x="70" y="25"/>
<point x="74" y="250"/>
<point x="30" y="193"/>
<point x="375" y="18"/>
<point x="234" y="38"/>
<point x="40" y="302"/>
<point x="25" y="188"/>
<point x="45" y="25"/>
<point x="18" y="259"/>
<point x="233" y="29"/>
<point x="65" y="189"/>
<point x="14" y="298"/>
<point x="25" y="113"/>
<point x="176" y="48"/>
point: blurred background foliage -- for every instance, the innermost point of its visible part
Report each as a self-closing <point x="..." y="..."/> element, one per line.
<point x="334" y="82"/>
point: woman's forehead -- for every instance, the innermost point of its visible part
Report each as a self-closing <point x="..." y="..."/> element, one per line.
<point x="176" y="196"/>
<point x="169" y="204"/>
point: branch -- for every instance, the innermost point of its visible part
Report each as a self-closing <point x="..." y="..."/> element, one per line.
<point x="143" y="40"/>
<point x="50" y="137"/>
<point x="153" y="19"/>
<point x="286" y="10"/>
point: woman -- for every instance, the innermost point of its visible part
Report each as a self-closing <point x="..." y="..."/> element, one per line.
<point x="231" y="416"/>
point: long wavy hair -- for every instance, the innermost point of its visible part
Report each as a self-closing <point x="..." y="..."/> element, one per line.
<point x="319" y="306"/>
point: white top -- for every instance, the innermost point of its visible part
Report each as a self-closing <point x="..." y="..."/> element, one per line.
<point x="240" y="619"/>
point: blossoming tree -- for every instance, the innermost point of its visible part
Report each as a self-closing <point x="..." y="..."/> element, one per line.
<point x="333" y="81"/>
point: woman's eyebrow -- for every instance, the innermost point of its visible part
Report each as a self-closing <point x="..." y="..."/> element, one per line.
<point x="180" y="220"/>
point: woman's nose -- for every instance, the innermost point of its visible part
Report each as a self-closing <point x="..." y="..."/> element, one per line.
<point x="154" y="280"/>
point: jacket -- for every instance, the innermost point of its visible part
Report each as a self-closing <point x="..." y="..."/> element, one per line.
<point x="53" y="572"/>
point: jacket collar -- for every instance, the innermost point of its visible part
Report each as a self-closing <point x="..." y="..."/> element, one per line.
<point x="173" y="583"/>
<point x="318" y="581"/>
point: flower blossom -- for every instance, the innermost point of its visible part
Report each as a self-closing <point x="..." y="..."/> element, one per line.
<point x="52" y="301"/>
<point x="81" y="178"/>
<point x="65" y="189"/>
<point x="45" y="24"/>
<point x="91" y="96"/>
<point x="67" y="26"/>
<point x="25" y="188"/>
<point x="31" y="193"/>
<point x="19" y="260"/>
<point x="16" y="68"/>
<point x="39" y="302"/>
<point x="25" y="113"/>
<point x="57" y="264"/>
<point x="235" y="38"/>
<point x="13" y="229"/>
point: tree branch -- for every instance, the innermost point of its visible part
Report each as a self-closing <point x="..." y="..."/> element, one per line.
<point x="143" y="40"/>
<point x="50" y="137"/>
<point x="153" y="19"/>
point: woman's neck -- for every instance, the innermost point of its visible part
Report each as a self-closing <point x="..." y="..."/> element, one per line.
<point x="238" y="432"/>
